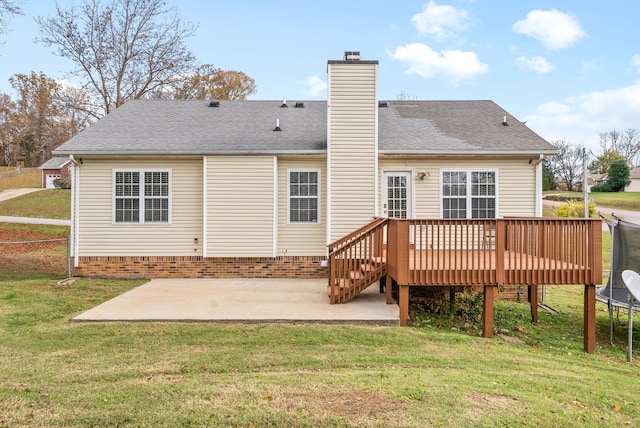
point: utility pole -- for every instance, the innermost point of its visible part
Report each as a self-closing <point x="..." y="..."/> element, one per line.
<point x="585" y="185"/>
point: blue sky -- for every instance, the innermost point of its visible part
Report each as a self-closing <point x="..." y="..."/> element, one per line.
<point x="570" y="69"/>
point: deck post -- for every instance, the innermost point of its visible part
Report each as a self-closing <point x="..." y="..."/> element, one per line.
<point x="590" y="318"/>
<point x="533" y="299"/>
<point x="388" y="288"/>
<point x="487" y="312"/>
<point x="404" y="305"/>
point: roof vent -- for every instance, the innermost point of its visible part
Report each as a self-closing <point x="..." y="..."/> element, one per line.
<point x="284" y="103"/>
<point x="352" y="56"/>
<point x="383" y="104"/>
<point x="504" y="121"/>
<point x="214" y="104"/>
<point x="299" y="105"/>
<point x="277" y="128"/>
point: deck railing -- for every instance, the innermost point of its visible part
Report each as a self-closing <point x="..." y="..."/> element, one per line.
<point x="505" y="251"/>
<point x="356" y="261"/>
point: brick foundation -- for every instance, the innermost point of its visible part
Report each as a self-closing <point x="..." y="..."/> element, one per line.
<point x="200" y="267"/>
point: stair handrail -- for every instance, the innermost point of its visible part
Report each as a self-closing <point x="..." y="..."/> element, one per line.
<point x="347" y="257"/>
<point x="334" y="246"/>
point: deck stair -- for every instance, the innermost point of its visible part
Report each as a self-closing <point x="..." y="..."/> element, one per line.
<point x="356" y="262"/>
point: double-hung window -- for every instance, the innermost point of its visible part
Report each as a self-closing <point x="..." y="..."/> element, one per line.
<point x="304" y="196"/>
<point x="469" y="194"/>
<point x="141" y="196"/>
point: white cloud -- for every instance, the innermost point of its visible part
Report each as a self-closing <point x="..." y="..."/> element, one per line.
<point x="440" y="21"/>
<point x="537" y="63"/>
<point x="314" y="85"/>
<point x="453" y="65"/>
<point x="555" y="29"/>
<point x="580" y="119"/>
<point x="635" y="61"/>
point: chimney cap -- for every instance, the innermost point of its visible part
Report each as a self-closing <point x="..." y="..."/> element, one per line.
<point x="352" y="55"/>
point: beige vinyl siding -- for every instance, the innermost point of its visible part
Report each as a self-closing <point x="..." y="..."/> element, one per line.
<point x="634" y="186"/>
<point x="516" y="182"/>
<point x="99" y="236"/>
<point x="301" y="239"/>
<point x="240" y="206"/>
<point x="352" y="145"/>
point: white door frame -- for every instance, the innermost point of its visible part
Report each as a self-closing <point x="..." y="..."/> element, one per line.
<point x="410" y="196"/>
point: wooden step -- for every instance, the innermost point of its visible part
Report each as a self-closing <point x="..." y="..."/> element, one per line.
<point x="368" y="267"/>
<point x="355" y="275"/>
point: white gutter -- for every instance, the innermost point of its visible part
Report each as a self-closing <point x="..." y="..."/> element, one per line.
<point x="458" y="153"/>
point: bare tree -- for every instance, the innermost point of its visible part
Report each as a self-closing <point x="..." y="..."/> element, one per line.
<point x="6" y="107"/>
<point x="122" y="49"/>
<point x="566" y="166"/>
<point x="626" y="143"/>
<point x="7" y="10"/>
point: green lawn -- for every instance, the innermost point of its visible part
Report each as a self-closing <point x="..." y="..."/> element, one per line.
<point x="621" y="200"/>
<point x="199" y="374"/>
<point x="48" y="203"/>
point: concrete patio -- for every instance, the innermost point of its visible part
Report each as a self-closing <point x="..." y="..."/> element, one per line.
<point x="242" y="300"/>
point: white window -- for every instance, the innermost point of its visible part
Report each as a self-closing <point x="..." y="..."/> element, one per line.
<point x="469" y="194"/>
<point x="141" y="196"/>
<point x="303" y="196"/>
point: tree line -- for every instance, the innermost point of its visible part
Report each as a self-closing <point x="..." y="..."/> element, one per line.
<point x="619" y="151"/>
<point x="121" y="50"/>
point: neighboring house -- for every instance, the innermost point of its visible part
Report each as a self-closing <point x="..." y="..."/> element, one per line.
<point x="259" y="188"/>
<point x="54" y="169"/>
<point x="634" y="176"/>
<point x="593" y="180"/>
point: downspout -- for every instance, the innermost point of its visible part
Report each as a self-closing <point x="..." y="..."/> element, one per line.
<point x="538" y="171"/>
<point x="275" y="207"/>
<point x="205" y="204"/>
<point x="75" y="207"/>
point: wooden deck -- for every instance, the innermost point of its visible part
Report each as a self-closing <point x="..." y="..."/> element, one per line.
<point x="487" y="253"/>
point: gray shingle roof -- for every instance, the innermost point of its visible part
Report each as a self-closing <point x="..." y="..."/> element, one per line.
<point x="55" y="163"/>
<point x="243" y="127"/>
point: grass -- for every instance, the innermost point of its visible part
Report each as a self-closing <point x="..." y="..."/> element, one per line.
<point x="27" y="177"/>
<point x="48" y="203"/>
<point x="195" y="374"/>
<point x="620" y="200"/>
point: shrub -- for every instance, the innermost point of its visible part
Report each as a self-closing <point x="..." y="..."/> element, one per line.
<point x="574" y="209"/>
<point x="601" y="188"/>
<point x="62" y="183"/>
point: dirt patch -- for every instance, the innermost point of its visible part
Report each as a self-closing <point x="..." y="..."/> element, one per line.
<point x="25" y="241"/>
<point x="27" y="252"/>
<point x="488" y="404"/>
<point x="361" y="408"/>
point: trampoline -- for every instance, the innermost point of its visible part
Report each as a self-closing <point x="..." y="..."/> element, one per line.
<point x="625" y="254"/>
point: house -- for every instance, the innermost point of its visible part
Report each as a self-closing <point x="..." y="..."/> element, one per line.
<point x="593" y="180"/>
<point x="260" y="188"/>
<point x="54" y="169"/>
<point x="634" y="176"/>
